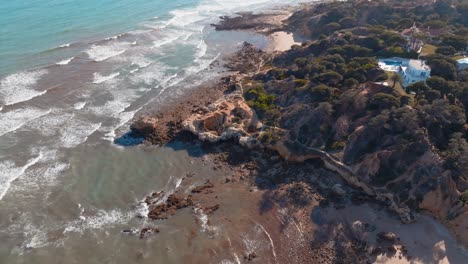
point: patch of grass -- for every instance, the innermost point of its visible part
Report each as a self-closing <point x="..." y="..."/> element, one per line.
<point x="428" y="49"/>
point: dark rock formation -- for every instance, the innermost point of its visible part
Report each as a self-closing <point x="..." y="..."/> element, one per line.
<point x="205" y="188"/>
<point x="148" y="231"/>
<point x="172" y="204"/>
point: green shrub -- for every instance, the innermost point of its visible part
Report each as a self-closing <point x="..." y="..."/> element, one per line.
<point x="300" y="83"/>
<point x="464" y="197"/>
<point x="338" y="145"/>
<point x="322" y="92"/>
<point x="384" y="101"/>
<point x="351" y="82"/>
<point x="257" y="99"/>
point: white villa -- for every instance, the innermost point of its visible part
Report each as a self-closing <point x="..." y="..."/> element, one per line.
<point x="462" y="63"/>
<point x="411" y="71"/>
<point x="415" y="71"/>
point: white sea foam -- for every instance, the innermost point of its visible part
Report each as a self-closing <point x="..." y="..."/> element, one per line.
<point x="147" y="77"/>
<point x="141" y="62"/>
<point x="165" y="41"/>
<point x="116" y="36"/>
<point x="202" y="48"/>
<point x="156" y="73"/>
<point x="17" y="87"/>
<point x="76" y="131"/>
<point x="46" y="175"/>
<point x="98" y="78"/>
<point x="101" y="219"/>
<point x="35" y="236"/>
<point x="185" y="17"/>
<point x="124" y="118"/>
<point x="79" y="106"/>
<point x="65" y="45"/>
<point x="9" y="171"/>
<point x="12" y="120"/>
<point x="39" y="239"/>
<point x="49" y="124"/>
<point x="65" y="62"/>
<point x="102" y="53"/>
<point x="188" y="36"/>
<point x="203" y="219"/>
<point x="111" y="108"/>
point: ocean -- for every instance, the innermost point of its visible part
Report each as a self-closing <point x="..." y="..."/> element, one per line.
<point x="73" y="74"/>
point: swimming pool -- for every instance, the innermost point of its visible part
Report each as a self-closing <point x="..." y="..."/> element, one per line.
<point x="392" y="63"/>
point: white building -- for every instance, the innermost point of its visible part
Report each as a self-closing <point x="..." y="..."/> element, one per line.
<point x="462" y="63"/>
<point x="414" y="71"/>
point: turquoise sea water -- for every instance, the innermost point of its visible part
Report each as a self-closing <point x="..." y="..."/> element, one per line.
<point x="28" y="27"/>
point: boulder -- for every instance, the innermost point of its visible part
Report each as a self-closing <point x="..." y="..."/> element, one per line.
<point x="144" y="126"/>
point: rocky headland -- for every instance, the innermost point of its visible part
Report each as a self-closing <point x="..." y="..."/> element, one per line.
<point x="308" y="141"/>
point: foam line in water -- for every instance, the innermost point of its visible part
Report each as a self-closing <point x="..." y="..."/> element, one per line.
<point x="17" y="87"/>
<point x="13" y="120"/>
<point x="76" y="131"/>
<point x="79" y="106"/>
<point x="49" y="125"/>
<point x="165" y="41"/>
<point x="141" y="62"/>
<point x="98" y="221"/>
<point x="116" y="36"/>
<point x="98" y="78"/>
<point x="44" y="174"/>
<point x="124" y="118"/>
<point x="10" y="172"/>
<point x="270" y="239"/>
<point x="65" y="62"/>
<point x="66" y="45"/>
<point x="101" y="53"/>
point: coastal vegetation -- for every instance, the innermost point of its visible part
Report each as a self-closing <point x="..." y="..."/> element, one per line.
<point x="328" y="94"/>
<point x="323" y="124"/>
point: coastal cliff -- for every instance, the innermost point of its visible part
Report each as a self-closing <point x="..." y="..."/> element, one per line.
<point x="325" y="100"/>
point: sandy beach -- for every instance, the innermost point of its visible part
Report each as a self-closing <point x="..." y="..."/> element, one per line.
<point x="282" y="41"/>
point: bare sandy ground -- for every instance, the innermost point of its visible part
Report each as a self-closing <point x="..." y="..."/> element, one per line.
<point x="281" y="41"/>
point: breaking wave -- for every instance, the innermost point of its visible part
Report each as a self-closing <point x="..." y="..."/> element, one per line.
<point x="17" y="88"/>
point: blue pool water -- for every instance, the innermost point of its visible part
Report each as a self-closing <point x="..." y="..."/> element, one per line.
<point x="392" y="63"/>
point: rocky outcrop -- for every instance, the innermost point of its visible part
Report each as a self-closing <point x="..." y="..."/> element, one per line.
<point x="148" y="231"/>
<point x="159" y="211"/>
<point x="266" y="22"/>
<point x="144" y="125"/>
<point x="228" y="118"/>
<point x="205" y="188"/>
